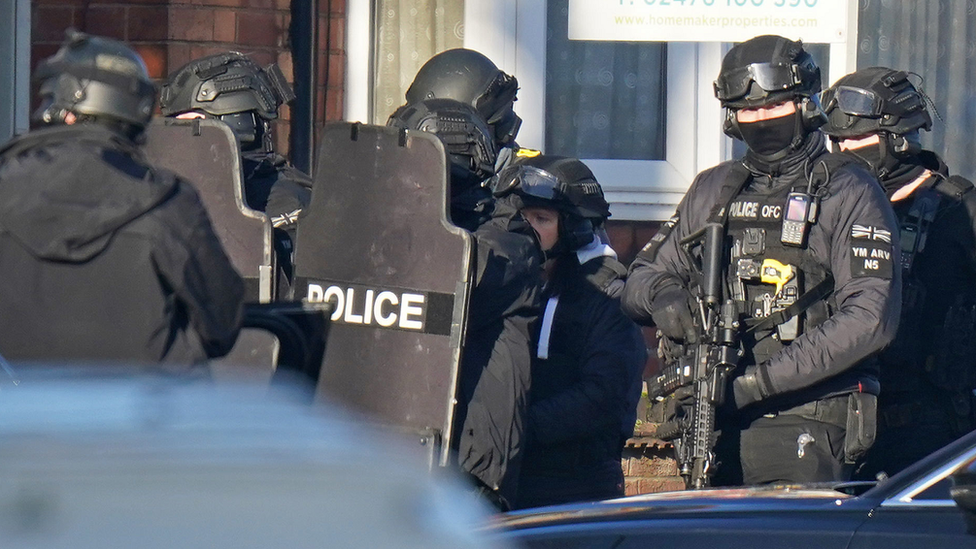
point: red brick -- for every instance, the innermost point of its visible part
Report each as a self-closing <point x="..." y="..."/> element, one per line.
<point x="203" y="50"/>
<point x="645" y="230"/>
<point x="50" y="23"/>
<point x="177" y="56"/>
<point x="322" y="100"/>
<point x="195" y="25"/>
<point x="60" y="3"/>
<point x="283" y="20"/>
<point x="147" y="24"/>
<point x="259" y="4"/>
<point x="123" y="3"/>
<point x="216" y="3"/>
<point x="338" y="6"/>
<point x="155" y="57"/>
<point x="225" y="25"/>
<point x="282" y="130"/>
<point x="322" y="33"/>
<point x="40" y="52"/>
<point x="621" y="236"/>
<point x="258" y="29"/>
<point x="652" y="466"/>
<point x="337" y="69"/>
<point x="262" y="57"/>
<point x="286" y="65"/>
<point x="334" y="105"/>
<point x="651" y="486"/>
<point x="320" y="67"/>
<point x="337" y="33"/>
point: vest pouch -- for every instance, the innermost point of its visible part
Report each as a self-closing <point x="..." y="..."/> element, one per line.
<point x="862" y="425"/>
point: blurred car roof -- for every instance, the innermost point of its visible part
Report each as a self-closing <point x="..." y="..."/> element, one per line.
<point x="148" y="461"/>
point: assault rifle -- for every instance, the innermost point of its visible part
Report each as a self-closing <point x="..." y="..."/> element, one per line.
<point x="704" y="367"/>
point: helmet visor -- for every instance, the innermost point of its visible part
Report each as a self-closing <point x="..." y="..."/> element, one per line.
<point x="532" y="181"/>
<point x="735" y="83"/>
<point x="852" y="101"/>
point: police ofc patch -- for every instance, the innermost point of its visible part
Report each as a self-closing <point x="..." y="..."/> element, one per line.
<point x="870" y="251"/>
<point x="755" y="210"/>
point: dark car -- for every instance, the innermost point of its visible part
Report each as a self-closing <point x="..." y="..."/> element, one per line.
<point x="928" y="505"/>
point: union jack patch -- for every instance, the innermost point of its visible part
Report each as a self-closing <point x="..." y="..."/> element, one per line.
<point x="870" y="233"/>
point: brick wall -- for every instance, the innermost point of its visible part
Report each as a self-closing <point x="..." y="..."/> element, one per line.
<point x="170" y="33"/>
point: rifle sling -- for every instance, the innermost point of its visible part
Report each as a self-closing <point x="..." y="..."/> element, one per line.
<point x="739" y="176"/>
<point x="802" y="303"/>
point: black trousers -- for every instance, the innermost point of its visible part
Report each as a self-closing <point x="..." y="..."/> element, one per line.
<point x="800" y="445"/>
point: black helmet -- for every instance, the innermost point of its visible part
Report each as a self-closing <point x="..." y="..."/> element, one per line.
<point x="561" y="183"/>
<point x="766" y="70"/>
<point x="470" y="77"/>
<point x="877" y="101"/>
<point x="231" y="87"/>
<point x="874" y="100"/>
<point x="95" y="78"/>
<point x="465" y="134"/>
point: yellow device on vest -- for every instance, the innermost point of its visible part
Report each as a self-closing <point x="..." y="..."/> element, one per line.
<point x="774" y="272"/>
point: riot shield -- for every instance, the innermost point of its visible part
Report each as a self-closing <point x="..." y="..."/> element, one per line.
<point x="376" y="243"/>
<point x="205" y="153"/>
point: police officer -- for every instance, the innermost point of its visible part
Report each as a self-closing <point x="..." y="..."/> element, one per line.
<point x="232" y="88"/>
<point x="495" y="362"/>
<point x="103" y="257"/>
<point x="928" y="373"/>
<point x="809" y="262"/>
<point x="588" y="360"/>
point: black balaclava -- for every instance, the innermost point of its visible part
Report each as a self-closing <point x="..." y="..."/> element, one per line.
<point x="883" y="158"/>
<point x="773" y="138"/>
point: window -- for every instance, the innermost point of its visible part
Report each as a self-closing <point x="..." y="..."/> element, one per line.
<point x="603" y="99"/>
<point x="407" y="34"/>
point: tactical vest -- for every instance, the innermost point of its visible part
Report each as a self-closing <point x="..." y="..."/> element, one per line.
<point x="781" y="289"/>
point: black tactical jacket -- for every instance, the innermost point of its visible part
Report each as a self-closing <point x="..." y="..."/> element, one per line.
<point x="854" y="216"/>
<point x="933" y="355"/>
<point x="104" y="258"/>
<point x="584" y="391"/>
<point x="496" y="359"/>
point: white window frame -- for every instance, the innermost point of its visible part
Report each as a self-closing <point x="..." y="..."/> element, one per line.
<point x="512" y="33"/>
<point x="14" y="68"/>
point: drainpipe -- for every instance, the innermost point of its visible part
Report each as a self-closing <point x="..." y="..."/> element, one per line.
<point x="304" y="46"/>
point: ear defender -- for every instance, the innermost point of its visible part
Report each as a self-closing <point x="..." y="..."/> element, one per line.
<point x="731" y="125"/>
<point x="904" y="146"/>
<point x="577" y="234"/>
<point x="812" y="113"/>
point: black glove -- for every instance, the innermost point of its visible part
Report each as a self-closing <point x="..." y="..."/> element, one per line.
<point x="673" y="411"/>
<point x="748" y="389"/>
<point x="671" y="312"/>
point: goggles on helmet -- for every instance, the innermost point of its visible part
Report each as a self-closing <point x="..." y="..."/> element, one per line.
<point x="735" y="83"/>
<point x="853" y="101"/>
<point x="534" y="182"/>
